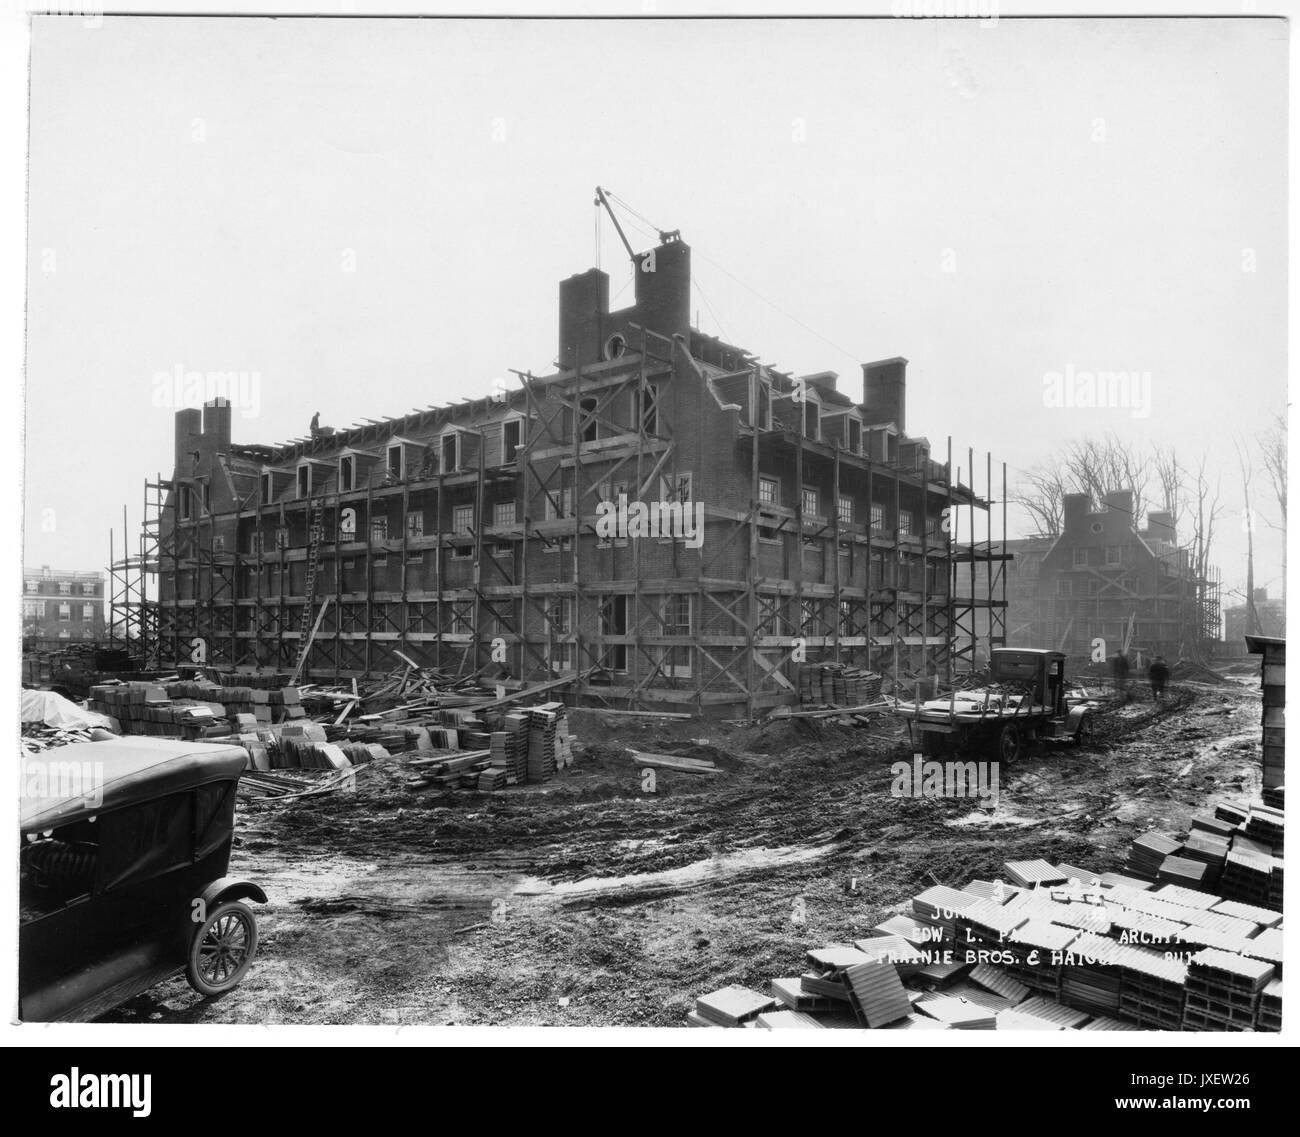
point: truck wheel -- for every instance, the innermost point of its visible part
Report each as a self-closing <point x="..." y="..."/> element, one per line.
<point x="222" y="949"/>
<point x="1009" y="743"/>
<point x="1083" y="733"/>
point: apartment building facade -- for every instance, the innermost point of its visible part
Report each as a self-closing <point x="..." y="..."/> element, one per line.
<point x="662" y="517"/>
<point x="62" y="604"/>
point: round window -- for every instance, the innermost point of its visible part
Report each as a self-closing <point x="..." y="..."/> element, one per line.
<point x="615" y="346"/>
<point x="1096" y="526"/>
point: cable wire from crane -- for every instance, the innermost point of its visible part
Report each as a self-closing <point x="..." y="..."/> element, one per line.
<point x="771" y="303"/>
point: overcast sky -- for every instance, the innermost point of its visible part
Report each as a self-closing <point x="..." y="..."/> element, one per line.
<point x="372" y="216"/>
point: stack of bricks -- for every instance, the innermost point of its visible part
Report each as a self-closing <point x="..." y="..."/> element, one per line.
<point x="286" y="704"/>
<point x="516" y="725"/>
<point x="837" y="684"/>
<point x="144" y="708"/>
<point x="541" y="744"/>
<point x="504" y="760"/>
<point x="1273" y="684"/>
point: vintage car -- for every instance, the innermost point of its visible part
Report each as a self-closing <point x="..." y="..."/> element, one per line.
<point x="124" y="850"/>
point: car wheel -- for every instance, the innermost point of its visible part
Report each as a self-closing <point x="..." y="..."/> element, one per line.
<point x="1009" y="743"/>
<point x="222" y="949"/>
<point x="1083" y="734"/>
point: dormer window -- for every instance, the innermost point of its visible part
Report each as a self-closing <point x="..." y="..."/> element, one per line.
<point x="397" y="461"/>
<point x="855" y="436"/>
<point x="512" y="438"/>
<point x="268" y="487"/>
<point x="304" y="480"/>
<point x="450" y="453"/>
<point x="347" y="473"/>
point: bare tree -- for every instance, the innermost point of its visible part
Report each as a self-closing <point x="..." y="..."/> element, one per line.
<point x="1092" y="466"/>
<point x="1272" y="447"/>
<point x="1252" y="616"/>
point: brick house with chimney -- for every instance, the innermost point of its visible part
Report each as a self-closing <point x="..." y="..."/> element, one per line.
<point x="467" y="534"/>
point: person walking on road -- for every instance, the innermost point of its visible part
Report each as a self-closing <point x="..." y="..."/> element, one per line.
<point x="1158" y="674"/>
<point x="1119" y="671"/>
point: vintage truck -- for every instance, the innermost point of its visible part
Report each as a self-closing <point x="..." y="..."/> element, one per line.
<point x="1025" y="701"/>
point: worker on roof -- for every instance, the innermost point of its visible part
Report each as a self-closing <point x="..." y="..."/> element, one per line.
<point x="315" y="425"/>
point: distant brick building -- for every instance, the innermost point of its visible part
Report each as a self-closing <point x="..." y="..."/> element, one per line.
<point x="62" y="605"/>
<point x="1105" y="578"/>
<point x="1271" y="615"/>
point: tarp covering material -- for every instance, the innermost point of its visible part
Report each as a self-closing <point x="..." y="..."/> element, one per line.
<point x="52" y="709"/>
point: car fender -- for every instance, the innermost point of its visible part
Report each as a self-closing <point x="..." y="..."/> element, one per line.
<point x="1074" y="717"/>
<point x="229" y="888"/>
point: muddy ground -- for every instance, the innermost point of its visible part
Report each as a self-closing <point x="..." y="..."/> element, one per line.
<point x="589" y="902"/>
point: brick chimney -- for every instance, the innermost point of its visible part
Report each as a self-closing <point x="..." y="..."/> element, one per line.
<point x="884" y="392"/>
<point x="189" y="426"/>
<point x="1076" y="507"/>
<point x="216" y="425"/>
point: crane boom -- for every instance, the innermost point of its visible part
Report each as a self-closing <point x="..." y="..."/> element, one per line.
<point x="601" y="199"/>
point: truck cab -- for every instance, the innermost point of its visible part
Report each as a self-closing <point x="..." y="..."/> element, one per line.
<point x="1041" y="666"/>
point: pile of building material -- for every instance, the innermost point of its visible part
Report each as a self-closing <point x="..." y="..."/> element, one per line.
<point x="486" y="741"/>
<point x="837" y="685"/>
<point x="1051" y="947"/>
<point x="1235" y="853"/>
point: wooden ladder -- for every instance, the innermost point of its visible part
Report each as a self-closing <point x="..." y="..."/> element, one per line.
<point x="316" y="536"/>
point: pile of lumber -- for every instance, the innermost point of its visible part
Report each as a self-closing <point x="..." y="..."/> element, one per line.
<point x="683" y="765"/>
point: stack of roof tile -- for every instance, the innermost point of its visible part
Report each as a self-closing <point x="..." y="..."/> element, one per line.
<point x="791" y="994"/>
<point x="876" y="993"/>
<point x="1151" y="989"/>
<point x="1037" y="948"/>
<point x="1264" y="824"/>
<point x="906" y="959"/>
<point x="1033" y="874"/>
<point x="939" y="907"/>
<point x="1247" y="877"/>
<point x="1181" y="871"/>
<point x="787" y="1020"/>
<point x="1148" y="852"/>
<point x="732" y="1006"/>
<point x="1269" y="1016"/>
<point x="1090" y="978"/>
<point x="958" y="1013"/>
<point x="1223" y="990"/>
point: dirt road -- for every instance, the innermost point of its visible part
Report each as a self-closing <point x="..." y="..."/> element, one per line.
<point x="589" y="902"/>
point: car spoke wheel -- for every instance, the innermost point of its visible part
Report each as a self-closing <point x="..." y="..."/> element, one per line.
<point x="222" y="949"/>
<point x="1009" y="743"/>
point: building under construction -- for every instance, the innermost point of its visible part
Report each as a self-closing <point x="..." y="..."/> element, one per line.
<point x="664" y="518"/>
<point x="1105" y="583"/>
